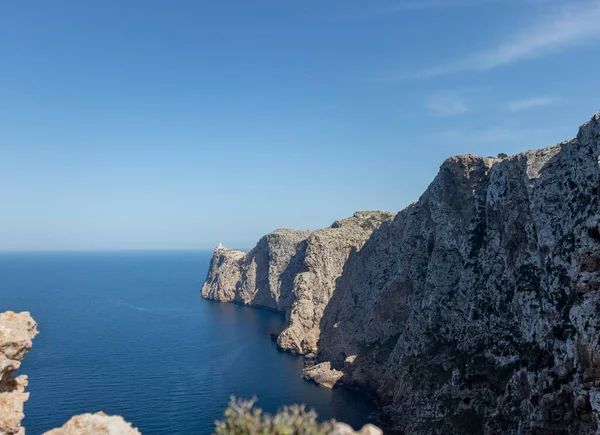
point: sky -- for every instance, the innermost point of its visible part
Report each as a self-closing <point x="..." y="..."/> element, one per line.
<point x="153" y="124"/>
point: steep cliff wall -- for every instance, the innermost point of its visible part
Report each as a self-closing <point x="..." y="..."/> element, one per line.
<point x="264" y="277"/>
<point x="292" y="272"/>
<point x="476" y="310"/>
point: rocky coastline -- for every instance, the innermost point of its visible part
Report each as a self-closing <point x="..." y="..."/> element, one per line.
<point x="476" y="309"/>
<point x="293" y="272"/>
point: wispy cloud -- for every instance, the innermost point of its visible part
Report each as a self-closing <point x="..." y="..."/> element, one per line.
<point x="561" y="27"/>
<point x="447" y="104"/>
<point x="577" y="23"/>
<point x="530" y="103"/>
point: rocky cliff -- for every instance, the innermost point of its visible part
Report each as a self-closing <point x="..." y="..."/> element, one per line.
<point x="291" y="271"/>
<point x="476" y="309"/>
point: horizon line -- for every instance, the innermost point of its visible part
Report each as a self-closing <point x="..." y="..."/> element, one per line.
<point x="102" y="250"/>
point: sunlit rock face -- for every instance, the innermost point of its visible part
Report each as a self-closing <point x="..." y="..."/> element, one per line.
<point x="16" y="333"/>
<point x="322" y="374"/>
<point x="95" y="424"/>
<point x="476" y="310"/>
<point x="291" y="271"/>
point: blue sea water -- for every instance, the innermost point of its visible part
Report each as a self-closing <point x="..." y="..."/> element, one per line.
<point x="128" y="333"/>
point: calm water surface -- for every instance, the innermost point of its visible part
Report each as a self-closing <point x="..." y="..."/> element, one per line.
<point x="128" y="333"/>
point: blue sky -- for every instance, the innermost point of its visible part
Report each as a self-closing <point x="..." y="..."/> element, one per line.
<point x="179" y="124"/>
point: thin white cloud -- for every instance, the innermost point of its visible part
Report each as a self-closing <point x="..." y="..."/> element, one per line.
<point x="530" y="103"/>
<point x="447" y="104"/>
<point x="577" y="23"/>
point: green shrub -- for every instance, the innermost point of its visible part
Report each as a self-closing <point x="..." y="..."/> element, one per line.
<point x="502" y="156"/>
<point x="242" y="418"/>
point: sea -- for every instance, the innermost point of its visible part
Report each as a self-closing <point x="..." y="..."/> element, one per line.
<point x="128" y="333"/>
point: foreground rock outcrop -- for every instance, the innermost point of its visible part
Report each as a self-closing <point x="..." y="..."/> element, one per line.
<point x="16" y="333"/>
<point x="477" y="308"/>
<point x="95" y="424"/>
<point x="292" y="272"/>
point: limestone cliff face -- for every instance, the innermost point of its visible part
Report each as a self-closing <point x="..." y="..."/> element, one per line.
<point x="262" y="278"/>
<point x="291" y="271"/>
<point x="477" y="308"/>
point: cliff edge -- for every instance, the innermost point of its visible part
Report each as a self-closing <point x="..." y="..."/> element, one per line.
<point x="291" y="271"/>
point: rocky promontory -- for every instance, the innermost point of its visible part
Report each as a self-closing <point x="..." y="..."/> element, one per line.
<point x="476" y="309"/>
<point x="291" y="271"/>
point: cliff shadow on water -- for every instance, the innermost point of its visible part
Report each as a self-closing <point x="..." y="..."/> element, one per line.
<point x="348" y="406"/>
